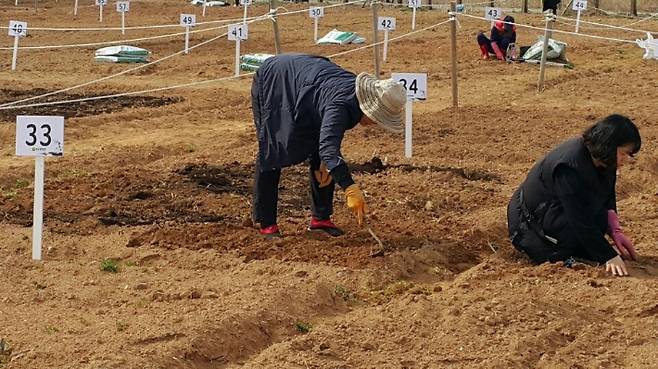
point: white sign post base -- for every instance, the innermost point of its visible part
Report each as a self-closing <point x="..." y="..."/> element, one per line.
<point x="237" y="57"/>
<point x="123" y="23"/>
<point x="203" y="13"/>
<point x="100" y="13"/>
<point x="187" y="40"/>
<point x="413" y="19"/>
<point x="14" y="57"/>
<point x="385" y="45"/>
<point x="315" y="30"/>
<point x="244" y="17"/>
<point x="577" y="20"/>
<point x="408" y="129"/>
<point x="75" y="8"/>
<point x="37" y="213"/>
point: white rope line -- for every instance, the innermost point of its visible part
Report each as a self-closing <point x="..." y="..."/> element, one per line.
<point x="554" y="30"/>
<point x="189" y="84"/>
<point x="134" y="40"/>
<point x="603" y="25"/>
<point x="171" y="25"/>
<point x="642" y="20"/>
<point x="390" y="39"/>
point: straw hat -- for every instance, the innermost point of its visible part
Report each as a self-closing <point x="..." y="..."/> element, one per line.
<point x="382" y="101"/>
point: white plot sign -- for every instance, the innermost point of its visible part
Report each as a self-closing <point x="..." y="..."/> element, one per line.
<point x="187" y="21"/>
<point x="316" y="14"/>
<point x="492" y="13"/>
<point x="414" y="83"/>
<point x="416" y="86"/>
<point x="238" y="32"/>
<point x="579" y="5"/>
<point x="17" y="29"/>
<point x="101" y="4"/>
<point x="123" y="6"/>
<point x="39" y="136"/>
<point x="414" y="4"/>
<point x="385" y="24"/>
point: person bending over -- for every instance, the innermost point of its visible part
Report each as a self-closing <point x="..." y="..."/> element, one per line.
<point x="302" y="106"/>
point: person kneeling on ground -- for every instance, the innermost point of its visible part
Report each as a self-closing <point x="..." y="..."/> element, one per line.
<point x="502" y="35"/>
<point x="302" y="106"/>
<point x="567" y="203"/>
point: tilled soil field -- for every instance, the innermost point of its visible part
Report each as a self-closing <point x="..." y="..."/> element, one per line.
<point x="160" y="183"/>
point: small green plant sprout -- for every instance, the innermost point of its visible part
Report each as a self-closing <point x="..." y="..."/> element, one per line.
<point x="109" y="265"/>
<point x="51" y="329"/>
<point x="342" y="292"/>
<point x="21" y="183"/>
<point x="303" y="327"/>
<point x="121" y="326"/>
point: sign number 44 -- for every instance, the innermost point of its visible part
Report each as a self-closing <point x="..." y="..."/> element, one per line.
<point x="579" y="5"/>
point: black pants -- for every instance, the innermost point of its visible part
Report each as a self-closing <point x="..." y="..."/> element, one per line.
<point x="545" y="236"/>
<point x="266" y="194"/>
<point x="552" y="5"/>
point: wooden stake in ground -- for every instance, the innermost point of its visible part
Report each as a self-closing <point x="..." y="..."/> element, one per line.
<point x="375" y="35"/>
<point x="634" y="8"/>
<point x="453" y="53"/>
<point x="524" y="6"/>
<point x="275" y="25"/>
<point x="550" y="18"/>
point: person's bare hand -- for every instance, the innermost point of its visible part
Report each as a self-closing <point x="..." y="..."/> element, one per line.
<point x="616" y="266"/>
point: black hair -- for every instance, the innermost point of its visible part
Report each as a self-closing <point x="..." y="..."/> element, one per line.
<point x="603" y="138"/>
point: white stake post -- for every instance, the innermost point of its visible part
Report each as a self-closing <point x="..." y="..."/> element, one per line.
<point x="16" y="4"/>
<point x="17" y="30"/>
<point x="578" y="6"/>
<point x="414" y="4"/>
<point x="101" y="4"/>
<point x="246" y="4"/>
<point x="238" y="32"/>
<point x="188" y="21"/>
<point x="123" y="7"/>
<point x="203" y="13"/>
<point x="38" y="137"/>
<point x="316" y="13"/>
<point x="493" y="14"/>
<point x="416" y="86"/>
<point x="386" y="24"/>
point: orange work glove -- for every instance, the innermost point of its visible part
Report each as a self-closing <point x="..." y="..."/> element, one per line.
<point x="322" y="175"/>
<point x="357" y="203"/>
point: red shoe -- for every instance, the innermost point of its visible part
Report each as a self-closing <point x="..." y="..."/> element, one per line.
<point x="270" y="232"/>
<point x="484" y="52"/>
<point x="326" y="226"/>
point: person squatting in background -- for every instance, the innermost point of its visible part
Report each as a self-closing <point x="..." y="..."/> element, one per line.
<point x="502" y="35"/>
<point x="302" y="106"/>
<point x="567" y="203"/>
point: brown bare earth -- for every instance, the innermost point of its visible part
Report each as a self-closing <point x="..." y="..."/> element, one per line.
<point x="161" y="184"/>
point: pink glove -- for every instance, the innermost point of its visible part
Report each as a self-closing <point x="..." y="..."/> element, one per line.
<point x="624" y="244"/>
<point x="497" y="50"/>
